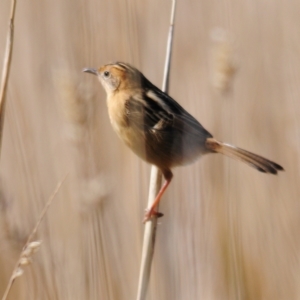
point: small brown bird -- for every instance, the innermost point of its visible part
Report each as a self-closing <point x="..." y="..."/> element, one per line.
<point x="158" y="129"/>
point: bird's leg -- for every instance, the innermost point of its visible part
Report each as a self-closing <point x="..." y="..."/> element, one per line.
<point x="151" y="211"/>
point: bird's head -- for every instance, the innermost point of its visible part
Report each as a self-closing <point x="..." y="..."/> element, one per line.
<point x="117" y="76"/>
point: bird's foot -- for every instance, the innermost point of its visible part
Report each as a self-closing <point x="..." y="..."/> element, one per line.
<point x="150" y="213"/>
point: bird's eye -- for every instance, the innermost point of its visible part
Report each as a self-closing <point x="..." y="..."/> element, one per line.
<point x="106" y="73"/>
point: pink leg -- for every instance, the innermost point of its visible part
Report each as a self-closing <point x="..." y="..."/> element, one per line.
<point x="151" y="211"/>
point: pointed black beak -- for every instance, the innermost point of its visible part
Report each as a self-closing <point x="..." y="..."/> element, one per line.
<point x="90" y="70"/>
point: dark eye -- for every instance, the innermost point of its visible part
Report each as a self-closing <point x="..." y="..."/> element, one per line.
<point x="106" y="73"/>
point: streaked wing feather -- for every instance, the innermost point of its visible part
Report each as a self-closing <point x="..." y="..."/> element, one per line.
<point x="155" y="111"/>
<point x="147" y="116"/>
<point x="173" y="107"/>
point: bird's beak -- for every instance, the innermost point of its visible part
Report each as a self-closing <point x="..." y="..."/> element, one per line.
<point x="90" y="70"/>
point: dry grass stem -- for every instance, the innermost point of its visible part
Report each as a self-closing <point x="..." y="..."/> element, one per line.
<point x="6" y="66"/>
<point x="31" y="246"/>
<point x="155" y="185"/>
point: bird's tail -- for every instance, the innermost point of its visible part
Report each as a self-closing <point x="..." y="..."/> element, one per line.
<point x="260" y="163"/>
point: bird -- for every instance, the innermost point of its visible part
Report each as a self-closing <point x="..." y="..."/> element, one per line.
<point x="158" y="129"/>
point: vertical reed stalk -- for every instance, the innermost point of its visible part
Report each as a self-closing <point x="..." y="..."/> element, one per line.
<point x="155" y="185"/>
<point x="6" y="66"/>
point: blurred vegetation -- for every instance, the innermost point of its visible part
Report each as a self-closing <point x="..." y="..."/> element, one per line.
<point x="229" y="232"/>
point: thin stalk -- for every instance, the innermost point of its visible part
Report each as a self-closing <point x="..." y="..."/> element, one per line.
<point x="155" y="185"/>
<point x="6" y="66"/>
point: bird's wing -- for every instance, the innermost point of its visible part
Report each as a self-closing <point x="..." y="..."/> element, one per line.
<point x="154" y="111"/>
<point x="146" y="114"/>
<point x="184" y="121"/>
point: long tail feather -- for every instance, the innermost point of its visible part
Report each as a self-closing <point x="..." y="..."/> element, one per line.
<point x="258" y="162"/>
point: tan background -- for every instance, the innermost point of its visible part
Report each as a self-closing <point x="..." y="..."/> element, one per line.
<point x="229" y="232"/>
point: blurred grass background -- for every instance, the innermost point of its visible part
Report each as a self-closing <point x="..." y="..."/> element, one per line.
<point x="229" y="232"/>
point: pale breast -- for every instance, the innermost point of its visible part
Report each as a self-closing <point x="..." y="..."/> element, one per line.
<point x="133" y="138"/>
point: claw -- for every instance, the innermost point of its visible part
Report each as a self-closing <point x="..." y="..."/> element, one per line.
<point x="149" y="214"/>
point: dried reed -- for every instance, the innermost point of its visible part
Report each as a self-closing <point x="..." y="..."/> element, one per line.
<point x="155" y="185"/>
<point x="6" y="66"/>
